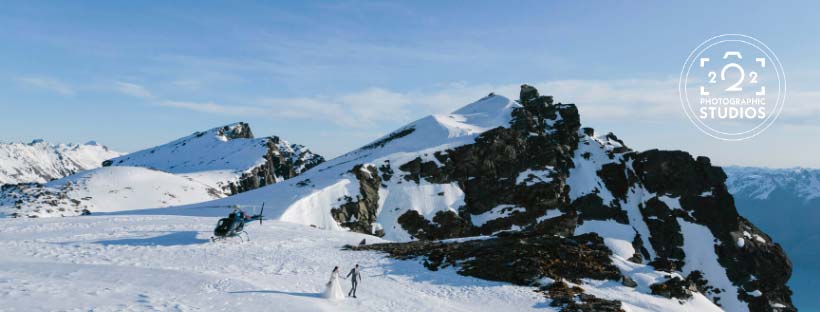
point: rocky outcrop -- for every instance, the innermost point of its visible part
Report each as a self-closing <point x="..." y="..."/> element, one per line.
<point x="527" y="258"/>
<point x="752" y="260"/>
<point x="535" y="182"/>
<point x="359" y="214"/>
<point x="541" y="138"/>
<point x="573" y="299"/>
<point x="282" y="162"/>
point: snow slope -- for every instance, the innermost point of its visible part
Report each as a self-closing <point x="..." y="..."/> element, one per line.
<point x="166" y="263"/>
<point x="308" y="198"/>
<point x="104" y="190"/>
<point x="227" y="148"/>
<point x="40" y="162"/>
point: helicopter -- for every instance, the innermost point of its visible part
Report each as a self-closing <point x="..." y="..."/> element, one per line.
<point x="234" y="224"/>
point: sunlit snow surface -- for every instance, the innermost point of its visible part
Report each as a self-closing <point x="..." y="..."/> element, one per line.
<point x="167" y="263"/>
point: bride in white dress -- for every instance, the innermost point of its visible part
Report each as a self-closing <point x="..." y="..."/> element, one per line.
<point x="334" y="287"/>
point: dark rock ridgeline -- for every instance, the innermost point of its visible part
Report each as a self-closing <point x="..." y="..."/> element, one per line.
<point x="760" y="264"/>
<point x="544" y="136"/>
<point x="282" y="161"/>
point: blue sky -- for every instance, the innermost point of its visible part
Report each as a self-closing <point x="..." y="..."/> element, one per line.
<point x="335" y="75"/>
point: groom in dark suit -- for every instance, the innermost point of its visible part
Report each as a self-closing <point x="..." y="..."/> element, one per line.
<point x="355" y="280"/>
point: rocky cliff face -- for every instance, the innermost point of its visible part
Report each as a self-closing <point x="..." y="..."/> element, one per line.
<point x="544" y="177"/>
<point x="785" y="203"/>
<point x="228" y="157"/>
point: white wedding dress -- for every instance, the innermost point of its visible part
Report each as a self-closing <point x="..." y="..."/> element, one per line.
<point x="334" y="288"/>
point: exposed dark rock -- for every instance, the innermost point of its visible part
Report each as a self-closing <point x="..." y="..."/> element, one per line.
<point x="614" y="177"/>
<point x="390" y="137"/>
<point x="282" y="163"/>
<point x="573" y="299"/>
<point x="666" y="237"/>
<point x="673" y="287"/>
<point x="516" y="258"/>
<point x="542" y="135"/>
<point x="705" y="200"/>
<point x="359" y="214"/>
<point x="591" y="207"/>
<point x="628" y="282"/>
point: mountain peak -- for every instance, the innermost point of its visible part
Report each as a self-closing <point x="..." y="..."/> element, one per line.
<point x="524" y="173"/>
<point x="235" y="158"/>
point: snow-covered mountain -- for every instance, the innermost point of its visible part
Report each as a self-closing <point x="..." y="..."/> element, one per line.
<point x="227" y="156"/>
<point x="760" y="183"/>
<point x="474" y="210"/>
<point x="521" y="193"/>
<point x="103" y="190"/>
<point x="40" y="161"/>
<point x="197" y="168"/>
<point x="786" y="204"/>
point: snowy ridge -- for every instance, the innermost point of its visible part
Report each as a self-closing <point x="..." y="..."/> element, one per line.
<point x="40" y="162"/>
<point x="231" y="148"/>
<point x="227" y="156"/>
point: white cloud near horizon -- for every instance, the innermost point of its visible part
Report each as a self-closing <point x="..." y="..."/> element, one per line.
<point x="610" y="100"/>
<point x="48" y="83"/>
<point x="134" y="90"/>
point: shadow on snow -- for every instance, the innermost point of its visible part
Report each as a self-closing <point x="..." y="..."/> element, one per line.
<point x="297" y="294"/>
<point x="170" y="239"/>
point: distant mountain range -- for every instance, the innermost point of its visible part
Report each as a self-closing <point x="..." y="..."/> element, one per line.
<point x="40" y="161"/>
<point x="203" y="166"/>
